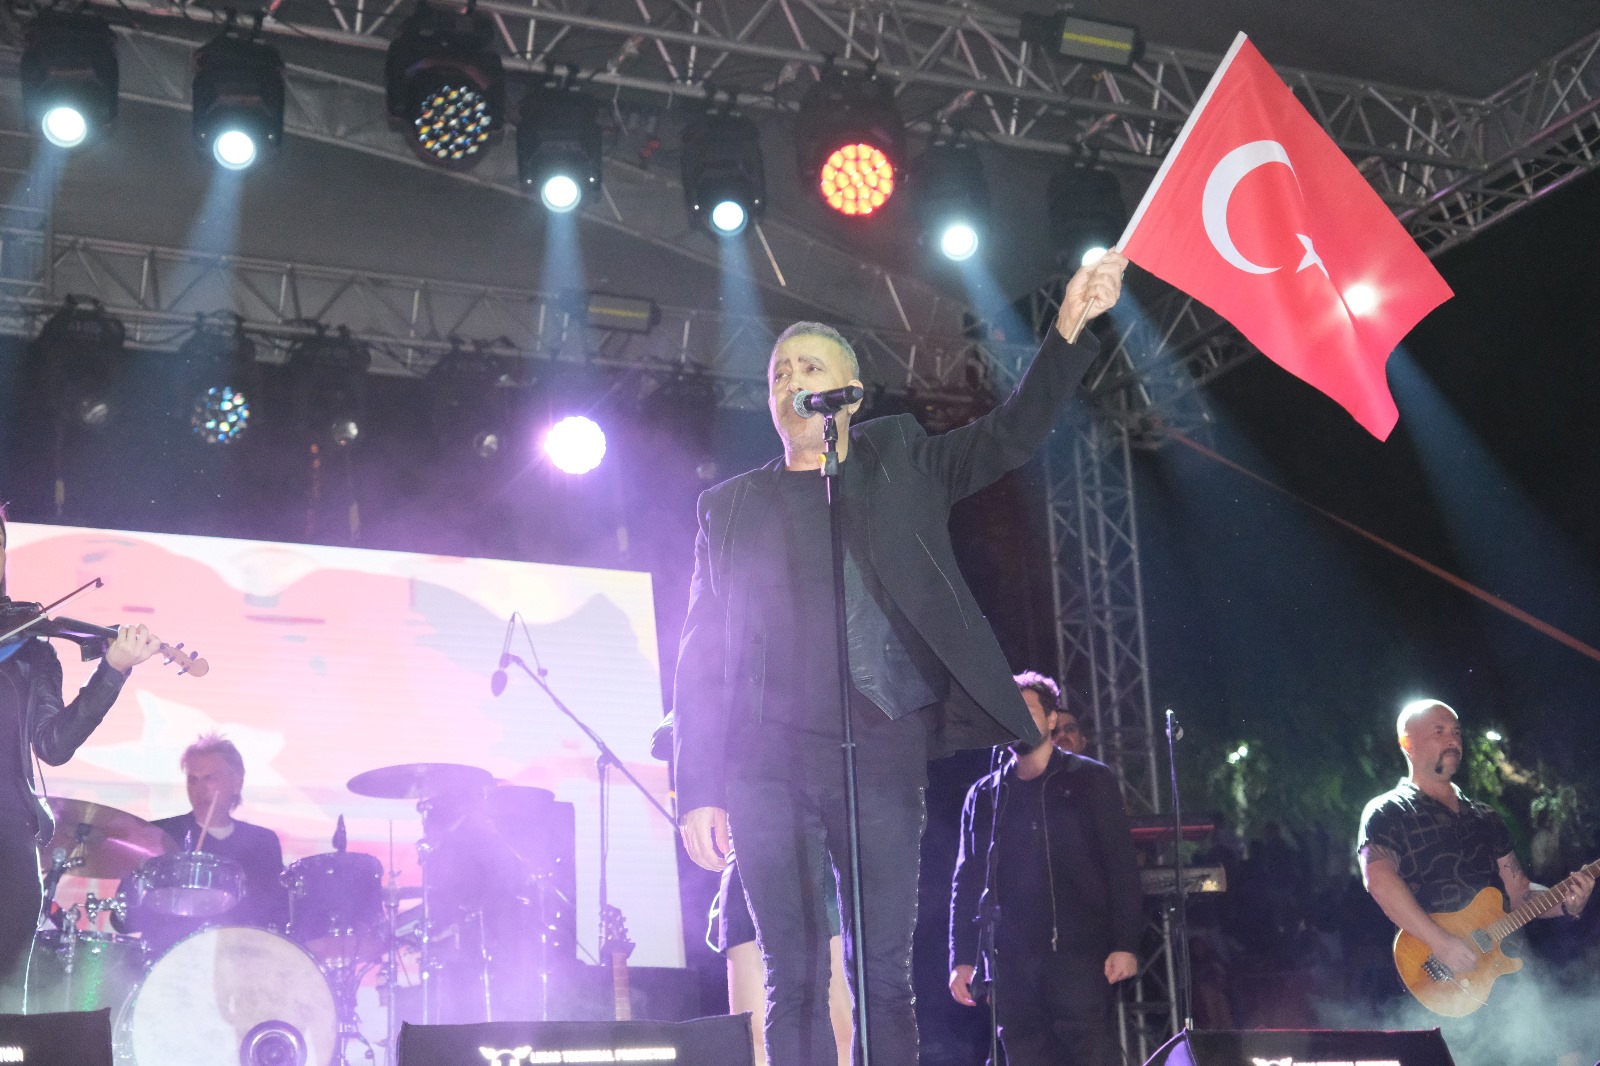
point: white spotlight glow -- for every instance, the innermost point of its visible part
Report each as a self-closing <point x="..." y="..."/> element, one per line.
<point x="575" y="445"/>
<point x="728" y="218"/>
<point x="560" y="193"/>
<point x="958" y="241"/>
<point x="1093" y="256"/>
<point x="234" y="149"/>
<point x="65" y="127"/>
<point x="1361" y="299"/>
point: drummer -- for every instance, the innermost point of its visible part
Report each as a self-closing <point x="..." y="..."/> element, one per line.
<point x="214" y="772"/>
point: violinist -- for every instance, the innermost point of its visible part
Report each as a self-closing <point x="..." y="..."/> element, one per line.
<point x="36" y="721"/>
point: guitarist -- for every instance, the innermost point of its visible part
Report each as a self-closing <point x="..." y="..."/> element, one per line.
<point x="1426" y="848"/>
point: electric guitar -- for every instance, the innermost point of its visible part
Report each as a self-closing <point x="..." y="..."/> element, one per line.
<point x="1483" y="923"/>
<point x="615" y="947"/>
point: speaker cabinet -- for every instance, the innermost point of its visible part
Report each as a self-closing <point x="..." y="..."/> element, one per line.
<point x="720" y="1041"/>
<point x="1303" y="1047"/>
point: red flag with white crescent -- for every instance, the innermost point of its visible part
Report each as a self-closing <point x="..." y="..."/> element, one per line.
<point x="1257" y="214"/>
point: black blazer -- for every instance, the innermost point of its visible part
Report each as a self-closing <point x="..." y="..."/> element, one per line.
<point x="49" y="726"/>
<point x="899" y="486"/>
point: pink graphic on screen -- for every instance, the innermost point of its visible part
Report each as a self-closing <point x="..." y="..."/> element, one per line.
<point x="327" y="662"/>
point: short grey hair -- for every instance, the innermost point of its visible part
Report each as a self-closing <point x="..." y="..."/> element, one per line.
<point x="221" y="746"/>
<point x="826" y="332"/>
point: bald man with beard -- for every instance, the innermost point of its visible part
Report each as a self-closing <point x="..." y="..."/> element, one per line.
<point x="1426" y="848"/>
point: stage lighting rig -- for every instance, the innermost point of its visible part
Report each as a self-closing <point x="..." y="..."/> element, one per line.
<point x="1086" y="211"/>
<point x="848" y="140"/>
<point x="238" y="99"/>
<point x="77" y="355"/>
<point x="219" y="363"/>
<point x="330" y="379"/>
<point x="558" y="145"/>
<point x="951" y="198"/>
<point x="445" y="86"/>
<point x="470" y="402"/>
<point x="724" y="181"/>
<point x="69" y="76"/>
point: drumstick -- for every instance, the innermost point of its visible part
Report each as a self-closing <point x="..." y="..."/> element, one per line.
<point x="205" y="827"/>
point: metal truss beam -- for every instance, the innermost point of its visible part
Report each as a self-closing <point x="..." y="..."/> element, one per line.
<point x="959" y="63"/>
<point x="411" y="323"/>
<point x="1099" y="600"/>
<point x="348" y="113"/>
<point x="1537" y="134"/>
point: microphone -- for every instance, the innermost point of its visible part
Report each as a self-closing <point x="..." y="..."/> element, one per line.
<point x="340" y="837"/>
<point x="497" y="680"/>
<point x="830" y="401"/>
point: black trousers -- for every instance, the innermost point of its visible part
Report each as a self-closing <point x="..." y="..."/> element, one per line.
<point x="782" y="830"/>
<point x="1055" y="1009"/>
<point x="21" y="897"/>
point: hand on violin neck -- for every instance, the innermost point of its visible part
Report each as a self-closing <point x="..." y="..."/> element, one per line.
<point x="134" y="644"/>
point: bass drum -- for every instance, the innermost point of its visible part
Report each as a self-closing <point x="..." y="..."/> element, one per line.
<point x="229" y="996"/>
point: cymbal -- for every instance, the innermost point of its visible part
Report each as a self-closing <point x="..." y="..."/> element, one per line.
<point x="418" y="780"/>
<point x="110" y="842"/>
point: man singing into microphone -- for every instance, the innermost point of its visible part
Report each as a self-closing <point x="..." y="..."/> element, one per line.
<point x="758" y="722"/>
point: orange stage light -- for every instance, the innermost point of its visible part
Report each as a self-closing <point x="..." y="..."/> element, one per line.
<point x="857" y="179"/>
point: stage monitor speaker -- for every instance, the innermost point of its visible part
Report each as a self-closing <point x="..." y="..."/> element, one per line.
<point x="74" y="1038"/>
<point x="1303" y="1047"/>
<point x="720" y="1041"/>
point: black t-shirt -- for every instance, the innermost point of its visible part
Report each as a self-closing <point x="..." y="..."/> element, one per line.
<point x="1444" y="857"/>
<point x="260" y="856"/>
<point x="799" y="729"/>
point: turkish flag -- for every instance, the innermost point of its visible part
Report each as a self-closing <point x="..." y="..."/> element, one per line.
<point x="1257" y="214"/>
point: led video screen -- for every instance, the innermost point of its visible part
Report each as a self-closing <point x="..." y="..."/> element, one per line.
<point x="328" y="661"/>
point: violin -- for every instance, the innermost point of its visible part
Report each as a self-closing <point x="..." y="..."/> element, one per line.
<point x="20" y="619"/>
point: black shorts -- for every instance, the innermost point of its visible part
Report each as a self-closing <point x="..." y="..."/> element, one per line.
<point x="729" y="921"/>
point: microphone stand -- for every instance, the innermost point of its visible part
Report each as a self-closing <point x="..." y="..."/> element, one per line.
<point x="1180" y="945"/>
<point x="607" y="756"/>
<point x="830" y="474"/>
<point x="603" y="763"/>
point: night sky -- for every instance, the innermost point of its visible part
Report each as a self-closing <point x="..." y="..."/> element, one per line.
<point x="1267" y="620"/>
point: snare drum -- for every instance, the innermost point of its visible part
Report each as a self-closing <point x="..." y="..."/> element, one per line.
<point x="226" y="996"/>
<point x="82" y="970"/>
<point x="187" y="884"/>
<point x="336" y="906"/>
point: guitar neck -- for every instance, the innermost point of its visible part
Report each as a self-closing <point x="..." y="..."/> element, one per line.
<point x="622" y="1004"/>
<point x="1534" y="906"/>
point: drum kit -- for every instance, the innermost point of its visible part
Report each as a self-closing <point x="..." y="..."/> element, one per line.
<point x="476" y="941"/>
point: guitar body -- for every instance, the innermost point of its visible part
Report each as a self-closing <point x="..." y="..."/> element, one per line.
<point x="1456" y="995"/>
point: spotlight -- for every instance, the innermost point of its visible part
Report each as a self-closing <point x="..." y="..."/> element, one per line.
<point x="77" y="353"/>
<point x="558" y="145"/>
<point x="724" y="181"/>
<point x="951" y="197"/>
<point x="65" y="127"/>
<point x="1087" y="215"/>
<point x="330" y="376"/>
<point x="238" y="100"/>
<point x="69" y="76"/>
<point x="220" y="366"/>
<point x="469" y="399"/>
<point x="847" y="141"/>
<point x="1109" y="44"/>
<point x="575" y="445"/>
<point x="445" y="85"/>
